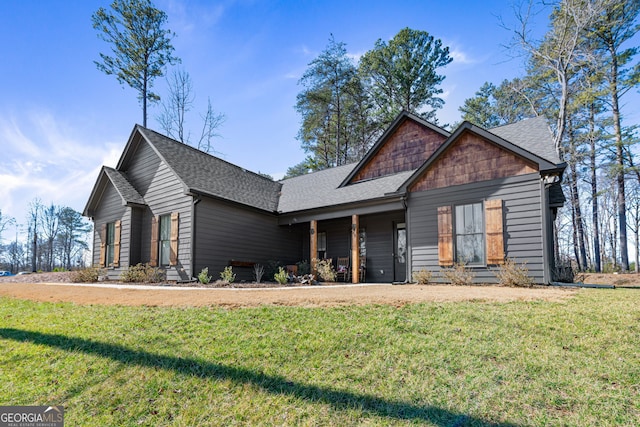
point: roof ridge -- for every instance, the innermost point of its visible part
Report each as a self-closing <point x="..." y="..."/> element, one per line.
<point x="204" y="153"/>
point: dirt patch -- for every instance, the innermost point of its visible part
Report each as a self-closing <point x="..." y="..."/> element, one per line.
<point x="316" y="296"/>
<point x="628" y="279"/>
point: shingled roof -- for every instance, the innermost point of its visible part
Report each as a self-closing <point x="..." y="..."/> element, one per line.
<point x="320" y="189"/>
<point x="202" y="173"/>
<point x="205" y="174"/>
<point x="123" y="186"/>
<point x="532" y="135"/>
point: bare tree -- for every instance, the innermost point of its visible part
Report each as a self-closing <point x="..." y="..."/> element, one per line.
<point x="49" y="224"/>
<point x="175" y="110"/>
<point x="33" y="222"/>
<point x="560" y="51"/>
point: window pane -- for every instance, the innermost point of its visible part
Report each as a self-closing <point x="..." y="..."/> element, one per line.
<point x="165" y="236"/>
<point x="165" y="227"/>
<point x="469" y="233"/>
<point x="111" y="233"/>
<point x="477" y="217"/>
<point x="322" y="241"/>
<point x="469" y="249"/>
<point x="363" y="242"/>
<point x="164" y="252"/>
<point x="460" y="219"/>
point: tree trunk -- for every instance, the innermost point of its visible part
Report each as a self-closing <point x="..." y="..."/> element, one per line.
<point x="144" y="99"/>
<point x="594" y="192"/>
<point x="617" y="128"/>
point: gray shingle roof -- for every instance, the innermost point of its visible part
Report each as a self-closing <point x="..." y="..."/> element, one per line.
<point x="532" y="135"/>
<point x="320" y="189"/>
<point x="123" y="186"/>
<point x="207" y="174"/>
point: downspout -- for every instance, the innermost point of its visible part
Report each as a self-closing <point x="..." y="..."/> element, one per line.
<point x="192" y="267"/>
<point x="409" y="254"/>
<point x="547" y="228"/>
<point x="544" y="201"/>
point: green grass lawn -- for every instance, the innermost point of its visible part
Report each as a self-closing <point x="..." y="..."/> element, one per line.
<point x="443" y="364"/>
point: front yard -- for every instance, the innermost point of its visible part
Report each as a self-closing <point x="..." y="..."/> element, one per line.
<point x="571" y="362"/>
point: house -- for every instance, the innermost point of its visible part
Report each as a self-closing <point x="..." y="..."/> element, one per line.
<point x="421" y="198"/>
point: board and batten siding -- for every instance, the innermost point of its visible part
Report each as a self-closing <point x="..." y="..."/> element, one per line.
<point x="111" y="209"/>
<point x="164" y="194"/>
<point x="225" y="231"/>
<point x="522" y="215"/>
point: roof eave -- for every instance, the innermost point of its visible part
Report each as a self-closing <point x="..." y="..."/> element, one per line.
<point x="195" y="192"/>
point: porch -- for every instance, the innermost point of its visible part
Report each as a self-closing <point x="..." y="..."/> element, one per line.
<point x="369" y="248"/>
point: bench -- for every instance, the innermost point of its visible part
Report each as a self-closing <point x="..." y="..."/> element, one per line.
<point x="247" y="264"/>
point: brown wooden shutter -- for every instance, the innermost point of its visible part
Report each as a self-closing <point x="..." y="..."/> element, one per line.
<point x="494" y="231"/>
<point x="153" y="260"/>
<point x="173" y="254"/>
<point x="103" y="245"/>
<point x="445" y="236"/>
<point x="116" y="244"/>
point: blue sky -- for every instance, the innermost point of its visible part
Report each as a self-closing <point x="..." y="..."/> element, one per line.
<point x="61" y="118"/>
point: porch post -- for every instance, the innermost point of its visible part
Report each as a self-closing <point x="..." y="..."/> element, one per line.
<point x="313" y="246"/>
<point x="355" y="249"/>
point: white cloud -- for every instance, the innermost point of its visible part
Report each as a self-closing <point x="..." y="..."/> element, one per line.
<point x="355" y="56"/>
<point x="461" y="57"/>
<point x="43" y="158"/>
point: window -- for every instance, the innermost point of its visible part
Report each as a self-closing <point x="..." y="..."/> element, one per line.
<point x="362" y="240"/>
<point x="322" y="245"/>
<point x="165" y="239"/>
<point x="110" y="243"/>
<point x="469" y="233"/>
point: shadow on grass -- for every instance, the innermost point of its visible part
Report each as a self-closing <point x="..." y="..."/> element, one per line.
<point x="270" y="383"/>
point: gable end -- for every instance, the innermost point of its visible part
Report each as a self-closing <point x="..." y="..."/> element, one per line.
<point x="471" y="158"/>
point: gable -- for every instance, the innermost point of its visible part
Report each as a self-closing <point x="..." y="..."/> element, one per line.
<point x="405" y="149"/>
<point x="471" y="158"/>
<point x="116" y="184"/>
<point x="142" y="165"/>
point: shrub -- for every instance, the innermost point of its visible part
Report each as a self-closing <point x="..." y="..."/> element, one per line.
<point x="258" y="272"/>
<point x="326" y="270"/>
<point x="86" y="275"/>
<point x="272" y="268"/>
<point x="227" y="275"/>
<point x="59" y="269"/>
<point x="564" y="272"/>
<point x="512" y="274"/>
<point x="303" y="268"/>
<point x="281" y="276"/>
<point x="204" y="277"/>
<point x="459" y="275"/>
<point x="422" y="277"/>
<point x="143" y="273"/>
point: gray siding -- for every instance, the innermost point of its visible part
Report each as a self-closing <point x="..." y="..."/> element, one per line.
<point x="523" y="225"/>
<point x="380" y="233"/>
<point x="109" y="210"/>
<point x="379" y="242"/>
<point x="225" y="231"/>
<point x="338" y="237"/>
<point x="164" y="194"/>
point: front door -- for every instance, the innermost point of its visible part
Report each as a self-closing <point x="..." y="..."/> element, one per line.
<point x="400" y="252"/>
